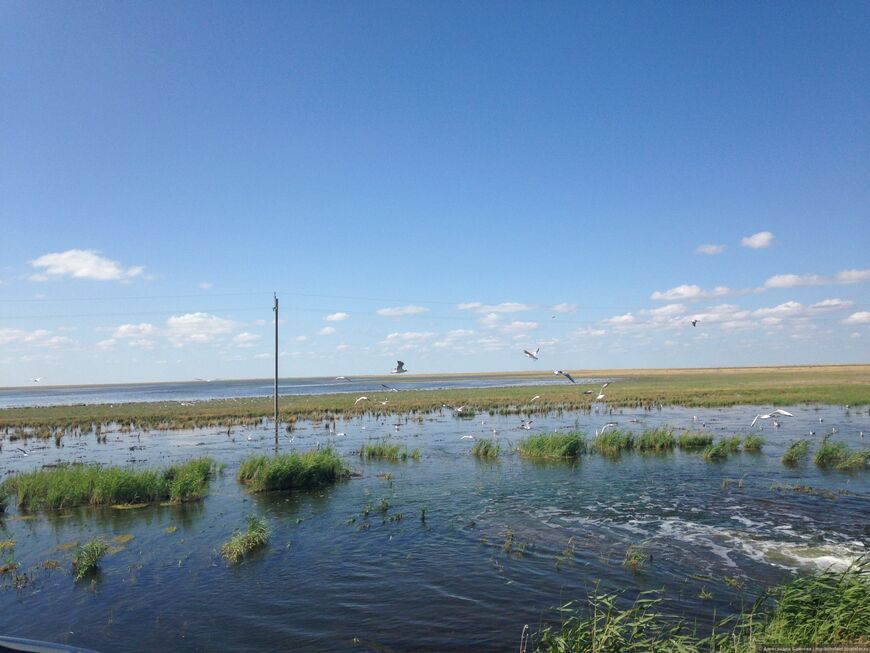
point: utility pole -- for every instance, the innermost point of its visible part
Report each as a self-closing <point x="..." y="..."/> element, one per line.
<point x="275" y="308"/>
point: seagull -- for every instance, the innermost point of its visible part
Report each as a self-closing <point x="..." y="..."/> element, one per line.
<point x="400" y="368"/>
<point x="38" y="379"/>
<point x="342" y="378"/>
<point x="605" y="385"/>
<point x="384" y="402"/>
<point x="527" y="426"/>
<point x="360" y="399"/>
<point x="532" y="355"/>
<point x="587" y="392"/>
<point x="536" y="397"/>
<point x="388" y="388"/>
<point x="600" y="396"/>
<point x="565" y="374"/>
<point x="773" y="413"/>
<point x="467" y="437"/>
<point x="605" y="427"/>
<point x="694" y="322"/>
<point x="21" y="450"/>
<point x="206" y="380"/>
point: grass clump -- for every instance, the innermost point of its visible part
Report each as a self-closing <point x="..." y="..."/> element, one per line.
<point x="658" y="439"/>
<point x="828" y="609"/>
<point x="839" y="456"/>
<point x="292" y="471"/>
<point x="77" y="485"/>
<point x="692" y="440"/>
<point x="553" y="445"/>
<point x="87" y="557"/>
<point x="243" y="543"/>
<point x="384" y="450"/>
<point x="796" y="453"/>
<point x="717" y="452"/>
<point x="486" y="448"/>
<point x="635" y="559"/>
<point x="753" y="443"/>
<point x="613" y="442"/>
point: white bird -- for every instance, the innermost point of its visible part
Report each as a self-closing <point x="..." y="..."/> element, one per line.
<point x="467" y="437"/>
<point x="772" y="413"/>
<point x="360" y="399"/>
<point x="21" y="450"/>
<point x="388" y="388"/>
<point x="587" y="392"/>
<point x="400" y="368"/>
<point x="565" y="374"/>
<point x="605" y="385"/>
<point x="605" y="427"/>
<point x="206" y="380"/>
<point x="38" y="379"/>
<point x="342" y="378"/>
<point x="527" y="426"/>
<point x="533" y="356"/>
<point x="384" y="402"/>
<point x="600" y="396"/>
<point x="536" y="397"/>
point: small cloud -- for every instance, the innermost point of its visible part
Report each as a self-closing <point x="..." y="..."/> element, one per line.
<point x="861" y="317"/>
<point x="141" y="343"/>
<point x="564" y="308"/>
<point x="106" y="344"/>
<point x="519" y="327"/>
<point x="40" y="296"/>
<point x="628" y="318"/>
<point x="832" y="304"/>
<point x="246" y="340"/>
<point x="326" y="331"/>
<point x="301" y="338"/>
<point x="504" y="307"/>
<point x="134" y="330"/>
<point x="398" y="311"/>
<point x="689" y="292"/>
<point x="81" y="264"/>
<point x="336" y="317"/>
<point x="409" y="336"/>
<point x="205" y="285"/>
<point x="197" y="328"/>
<point x="786" y="309"/>
<point x="853" y="276"/>
<point x="709" y="249"/>
<point x="263" y="355"/>
<point x="489" y="321"/>
<point x="758" y="241"/>
<point x="793" y="280"/>
<point x="342" y="346"/>
<point x="665" y="311"/>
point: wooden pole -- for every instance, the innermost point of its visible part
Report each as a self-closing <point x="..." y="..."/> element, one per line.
<point x="275" y="308"/>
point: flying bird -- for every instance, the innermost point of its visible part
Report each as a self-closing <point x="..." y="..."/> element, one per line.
<point x="587" y="392"/>
<point x="400" y="368"/>
<point x="38" y="379"/>
<point x="536" y="397"/>
<point x="532" y="355"/>
<point x="600" y="396"/>
<point x="694" y="322"/>
<point x="467" y="437"/>
<point x="772" y="413"/>
<point x="527" y="426"/>
<point x="21" y="450"/>
<point x="342" y="378"/>
<point x="388" y="388"/>
<point x="565" y="374"/>
<point x="360" y="399"/>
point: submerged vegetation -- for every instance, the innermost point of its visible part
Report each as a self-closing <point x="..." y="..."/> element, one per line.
<point x="87" y="556"/>
<point x="243" y="543"/>
<point x="292" y="471"/>
<point x="553" y="445"/>
<point x="486" y="448"/>
<point x="76" y="485"/>
<point x="832" y="608"/>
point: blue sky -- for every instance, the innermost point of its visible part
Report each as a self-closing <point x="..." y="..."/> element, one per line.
<point x="519" y="175"/>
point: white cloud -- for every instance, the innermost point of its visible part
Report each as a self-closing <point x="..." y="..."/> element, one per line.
<point x="197" y="328"/>
<point x="504" y="307"/>
<point x="665" y="311"/>
<point x="758" y="241"/>
<point x="326" y="331"/>
<point x="134" y="330"/>
<point x="710" y="249"/>
<point x="796" y="280"/>
<point x="301" y="338"/>
<point x="142" y="343"/>
<point x="263" y="355"/>
<point x="861" y="317"/>
<point x="782" y="310"/>
<point x="205" y="285"/>
<point x="398" y="311"/>
<point x="832" y="304"/>
<point x="564" y="308"/>
<point x="39" y="337"/>
<point x="687" y="292"/>
<point x="410" y="336"/>
<point x="245" y="340"/>
<point x="588" y="332"/>
<point x="454" y="338"/>
<point x="81" y="264"/>
<point x="336" y="317"/>
<point x="342" y="346"/>
<point x="489" y="321"/>
<point x="628" y="318"/>
<point x="517" y="326"/>
<point x="106" y="344"/>
<point x="853" y="276"/>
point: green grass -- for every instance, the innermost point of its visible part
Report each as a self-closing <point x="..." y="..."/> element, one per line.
<point x="635" y="558"/>
<point x="486" y="448"/>
<point x="717" y="452"/>
<point x="87" y="557"/>
<point x="692" y="440"/>
<point x="385" y="450"/>
<point x="839" y="456"/>
<point x="243" y="543"/>
<point x="732" y="443"/>
<point x="292" y="471"/>
<point x="77" y="485"/>
<point x="845" y="384"/>
<point x="797" y="452"/>
<point x="613" y="442"/>
<point x="658" y="439"/>
<point x="753" y="443"/>
<point x="553" y="445"/>
<point x="828" y="609"/>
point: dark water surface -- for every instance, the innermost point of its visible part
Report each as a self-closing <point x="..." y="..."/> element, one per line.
<point x="332" y="580"/>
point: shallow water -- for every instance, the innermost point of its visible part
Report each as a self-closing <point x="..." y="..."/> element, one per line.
<point x="328" y="582"/>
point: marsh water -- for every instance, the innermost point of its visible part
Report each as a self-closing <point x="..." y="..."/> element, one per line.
<point x="332" y="579"/>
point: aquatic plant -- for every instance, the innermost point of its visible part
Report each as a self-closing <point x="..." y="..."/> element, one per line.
<point x="635" y="558"/>
<point x="553" y="445"/>
<point x="692" y="440"/>
<point x="797" y="452"/>
<point x="384" y="450"/>
<point x="87" y="557"/>
<point x="486" y="448"/>
<point x="732" y="444"/>
<point x="657" y="439"/>
<point x="243" y="543"/>
<point x="717" y="452"/>
<point x="753" y="443"/>
<point x="613" y="442"/>
<point x="292" y="471"/>
<point x="75" y="485"/>
<point x="838" y="455"/>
